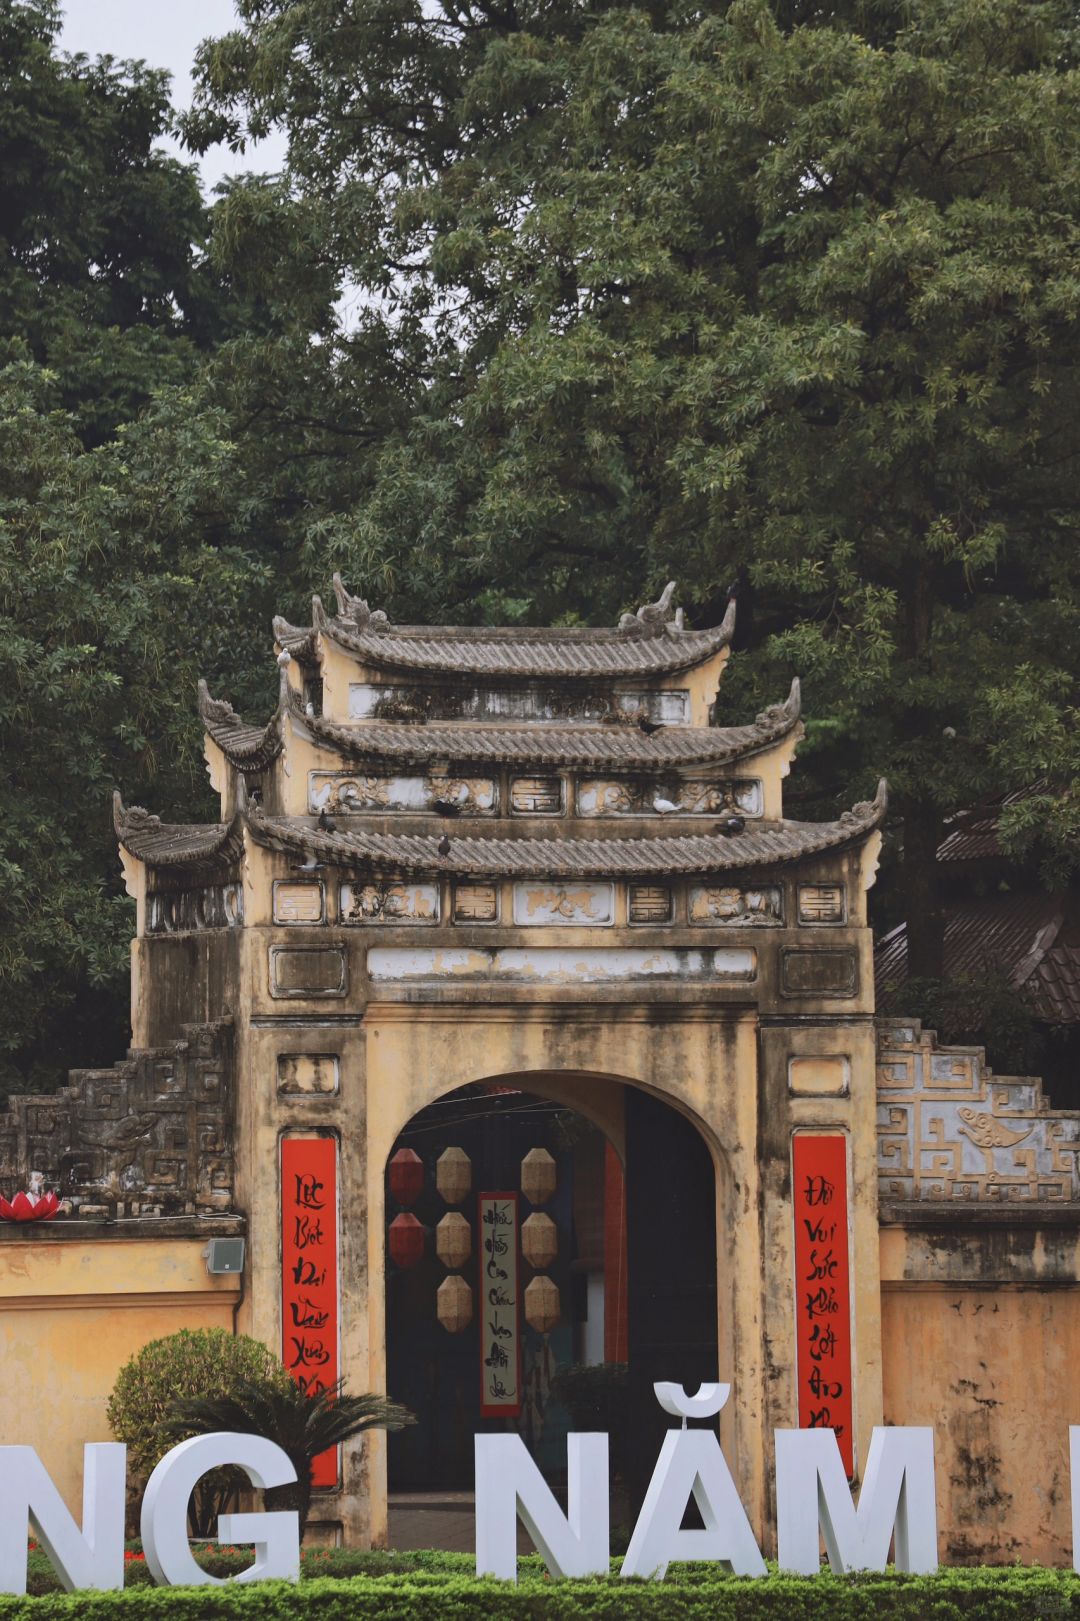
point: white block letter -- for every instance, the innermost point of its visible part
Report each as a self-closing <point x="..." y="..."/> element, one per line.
<point x="92" y="1557"/>
<point x="691" y="1461"/>
<point x="509" y="1484"/>
<point x="1074" y="1471"/>
<point x="164" y="1511"/>
<point x="897" y="1499"/>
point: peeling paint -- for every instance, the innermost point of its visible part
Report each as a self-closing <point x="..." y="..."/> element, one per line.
<point x="555" y="965"/>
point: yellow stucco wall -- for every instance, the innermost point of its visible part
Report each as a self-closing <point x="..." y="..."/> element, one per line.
<point x="71" y="1314"/>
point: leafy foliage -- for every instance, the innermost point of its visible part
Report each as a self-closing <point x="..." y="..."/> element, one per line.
<point x="303" y="1423"/>
<point x="760" y="292"/>
<point x="194" y="1364"/>
<point x="430" y="1586"/>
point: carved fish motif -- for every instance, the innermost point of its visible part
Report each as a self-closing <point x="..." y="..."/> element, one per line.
<point x="987" y="1132"/>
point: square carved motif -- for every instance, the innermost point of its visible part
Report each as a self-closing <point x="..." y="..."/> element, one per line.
<point x="822" y="903"/>
<point x="476" y="903"/>
<point x="298" y="903"/>
<point x="649" y="903"/>
<point x="536" y="796"/>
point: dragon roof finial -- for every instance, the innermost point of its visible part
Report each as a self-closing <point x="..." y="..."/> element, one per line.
<point x="356" y="610"/>
<point x="652" y="616"/>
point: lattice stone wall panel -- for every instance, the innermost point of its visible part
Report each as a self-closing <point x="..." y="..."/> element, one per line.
<point x="152" y="1135"/>
<point x="950" y="1129"/>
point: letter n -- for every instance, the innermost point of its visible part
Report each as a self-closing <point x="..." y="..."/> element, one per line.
<point x="92" y="1557"/>
<point x="897" y="1500"/>
<point x="509" y="1486"/>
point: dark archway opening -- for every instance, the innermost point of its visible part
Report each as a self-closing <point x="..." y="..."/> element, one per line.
<point x="632" y="1278"/>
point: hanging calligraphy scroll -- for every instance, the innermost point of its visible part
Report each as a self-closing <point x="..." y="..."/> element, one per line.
<point x="500" y="1313"/>
<point x="823" y="1287"/>
<point x="309" y="1280"/>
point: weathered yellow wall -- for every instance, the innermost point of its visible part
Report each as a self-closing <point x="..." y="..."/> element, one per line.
<point x="71" y="1314"/>
<point x="981" y="1338"/>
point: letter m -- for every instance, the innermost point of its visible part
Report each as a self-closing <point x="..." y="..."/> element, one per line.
<point x="897" y="1501"/>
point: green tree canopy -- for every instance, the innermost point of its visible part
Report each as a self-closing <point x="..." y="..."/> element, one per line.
<point x="759" y="291"/>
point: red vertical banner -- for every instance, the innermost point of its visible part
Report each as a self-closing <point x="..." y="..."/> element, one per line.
<point x="309" y="1275"/>
<point x="500" y="1307"/>
<point x="823" y="1287"/>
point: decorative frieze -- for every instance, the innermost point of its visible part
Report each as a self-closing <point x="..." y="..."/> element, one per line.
<point x="476" y="903"/>
<point x="348" y="793"/>
<point x="536" y="796"/>
<point x="214" y="906"/>
<point x="822" y="903"/>
<point x="584" y="905"/>
<point x="598" y="796"/>
<point x="308" y="1074"/>
<point x="153" y="1135"/>
<point x="649" y="903"/>
<point x="369" y="700"/>
<point x="949" y="1129"/>
<point x="299" y="903"/>
<point x="726" y="905"/>
<point x="389" y="902"/>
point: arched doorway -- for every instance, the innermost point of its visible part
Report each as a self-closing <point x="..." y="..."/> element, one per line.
<point x="614" y="1209"/>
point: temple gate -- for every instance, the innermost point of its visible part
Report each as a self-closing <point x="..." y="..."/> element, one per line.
<point x="539" y="859"/>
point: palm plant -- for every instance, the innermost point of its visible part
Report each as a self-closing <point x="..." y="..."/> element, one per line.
<point x="303" y="1423"/>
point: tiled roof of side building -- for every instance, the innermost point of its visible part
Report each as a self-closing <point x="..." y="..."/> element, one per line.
<point x="1025" y="938"/>
<point x="620" y="747"/>
<point x="647" y="643"/>
<point x="759" y="846"/>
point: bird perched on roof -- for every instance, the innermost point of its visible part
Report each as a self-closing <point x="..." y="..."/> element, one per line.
<point x="731" y="825"/>
<point x="327" y="823"/>
<point x="446" y="807"/>
<point x="443" y="845"/>
<point x="664" y="806"/>
<point x="644" y="724"/>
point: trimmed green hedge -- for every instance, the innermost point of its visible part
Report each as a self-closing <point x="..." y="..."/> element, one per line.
<point x="438" y="1592"/>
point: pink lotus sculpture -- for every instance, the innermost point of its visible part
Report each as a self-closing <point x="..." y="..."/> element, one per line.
<point x="32" y="1206"/>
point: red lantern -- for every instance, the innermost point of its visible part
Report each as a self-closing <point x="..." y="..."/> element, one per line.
<point x="407" y="1240"/>
<point x="406" y="1176"/>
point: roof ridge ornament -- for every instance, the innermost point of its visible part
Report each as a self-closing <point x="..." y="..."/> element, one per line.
<point x="652" y="617"/>
<point x="788" y="710"/>
<point x="356" y="610"/>
<point x="131" y="818"/>
<point x="218" y="711"/>
<point x="868" y="810"/>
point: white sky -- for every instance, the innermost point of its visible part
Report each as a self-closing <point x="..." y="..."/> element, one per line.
<point x="164" y="33"/>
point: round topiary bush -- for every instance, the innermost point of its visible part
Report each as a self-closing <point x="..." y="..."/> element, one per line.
<point x="194" y="1363"/>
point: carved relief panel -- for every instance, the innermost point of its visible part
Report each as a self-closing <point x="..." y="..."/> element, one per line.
<point x="597" y="796"/>
<point x="353" y="793"/>
<point x="215" y="906"/>
<point x="726" y="905"/>
<point x="299" y="903"/>
<point x="389" y="902"/>
<point x="822" y="903"/>
<point x="649" y="903"/>
<point x="476" y="903"/>
<point x="543" y="904"/>
<point x="536" y="796"/>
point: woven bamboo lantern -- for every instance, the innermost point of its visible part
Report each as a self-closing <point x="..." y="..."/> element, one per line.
<point x="538" y="1176"/>
<point x="407" y="1240"/>
<point x="542" y="1307"/>
<point x="453" y="1240"/>
<point x="406" y="1176"/>
<point x="453" y="1175"/>
<point x="539" y="1240"/>
<point x="454" y="1304"/>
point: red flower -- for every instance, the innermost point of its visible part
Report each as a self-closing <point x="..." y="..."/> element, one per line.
<point x="24" y="1207"/>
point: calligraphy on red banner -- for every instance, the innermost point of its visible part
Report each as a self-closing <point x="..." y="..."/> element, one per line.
<point x="500" y="1325"/>
<point x="309" y="1282"/>
<point x="823" y="1288"/>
